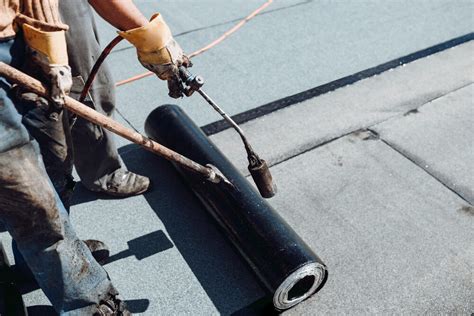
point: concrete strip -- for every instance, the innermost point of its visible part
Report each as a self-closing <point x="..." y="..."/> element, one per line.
<point x="296" y="129"/>
<point x="395" y="240"/>
<point x="439" y="138"/>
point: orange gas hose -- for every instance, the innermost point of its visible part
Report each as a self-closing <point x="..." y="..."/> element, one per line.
<point x="117" y="40"/>
<point x="207" y="47"/>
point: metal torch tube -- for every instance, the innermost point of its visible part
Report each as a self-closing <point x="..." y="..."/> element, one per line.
<point x="226" y="117"/>
<point x="282" y="261"/>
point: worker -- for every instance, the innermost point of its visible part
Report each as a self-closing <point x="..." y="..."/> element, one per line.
<point x="32" y="38"/>
<point x="95" y="155"/>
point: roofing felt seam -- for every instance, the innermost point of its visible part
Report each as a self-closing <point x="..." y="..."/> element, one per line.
<point x="273" y="106"/>
<point x="399" y="151"/>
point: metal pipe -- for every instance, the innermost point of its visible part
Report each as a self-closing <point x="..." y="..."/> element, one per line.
<point x="33" y="85"/>
<point x="226" y="117"/>
<point x="282" y="261"/>
<point x="257" y="167"/>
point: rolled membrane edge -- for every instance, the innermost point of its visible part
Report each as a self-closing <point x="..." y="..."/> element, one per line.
<point x="299" y="285"/>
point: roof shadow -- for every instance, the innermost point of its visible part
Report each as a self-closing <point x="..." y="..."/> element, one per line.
<point x="41" y="310"/>
<point x="143" y="247"/>
<point x="222" y="273"/>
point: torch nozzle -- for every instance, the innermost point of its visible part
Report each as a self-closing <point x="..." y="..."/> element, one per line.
<point x="258" y="168"/>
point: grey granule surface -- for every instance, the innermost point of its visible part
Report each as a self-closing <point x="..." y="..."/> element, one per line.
<point x="376" y="177"/>
<point x="395" y="239"/>
<point x="296" y="45"/>
<point x="439" y="137"/>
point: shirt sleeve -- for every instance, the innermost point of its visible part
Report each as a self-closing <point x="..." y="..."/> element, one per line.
<point x="42" y="14"/>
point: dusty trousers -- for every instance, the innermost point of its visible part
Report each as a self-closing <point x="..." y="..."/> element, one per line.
<point x="33" y="214"/>
<point x="95" y="153"/>
<point x="66" y="140"/>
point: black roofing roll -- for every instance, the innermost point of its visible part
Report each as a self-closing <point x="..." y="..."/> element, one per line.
<point x="284" y="263"/>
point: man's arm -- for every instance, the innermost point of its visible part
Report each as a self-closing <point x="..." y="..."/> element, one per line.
<point x="44" y="35"/>
<point x="156" y="48"/>
<point x="123" y="14"/>
<point x="41" y="14"/>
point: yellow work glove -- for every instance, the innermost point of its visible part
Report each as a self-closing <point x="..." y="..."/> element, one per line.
<point x="47" y="50"/>
<point x="157" y="50"/>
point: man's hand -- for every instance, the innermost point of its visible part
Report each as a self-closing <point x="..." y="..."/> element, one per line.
<point x="158" y="51"/>
<point x="47" y="51"/>
<point x="156" y="48"/>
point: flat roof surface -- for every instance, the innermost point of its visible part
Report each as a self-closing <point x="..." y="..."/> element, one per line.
<point x="375" y="176"/>
<point x="293" y="46"/>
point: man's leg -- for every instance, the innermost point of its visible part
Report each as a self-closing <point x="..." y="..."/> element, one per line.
<point x="61" y="263"/>
<point x="50" y="128"/>
<point x="95" y="153"/>
<point x="34" y="216"/>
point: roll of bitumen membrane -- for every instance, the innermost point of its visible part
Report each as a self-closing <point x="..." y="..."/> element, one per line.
<point x="282" y="261"/>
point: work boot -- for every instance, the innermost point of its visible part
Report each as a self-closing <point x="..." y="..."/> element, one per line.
<point x="112" y="307"/>
<point x="123" y="183"/>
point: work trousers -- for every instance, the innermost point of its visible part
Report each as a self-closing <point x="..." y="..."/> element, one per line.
<point x="33" y="214"/>
<point x="95" y="153"/>
<point x="73" y="140"/>
<point x="68" y="140"/>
